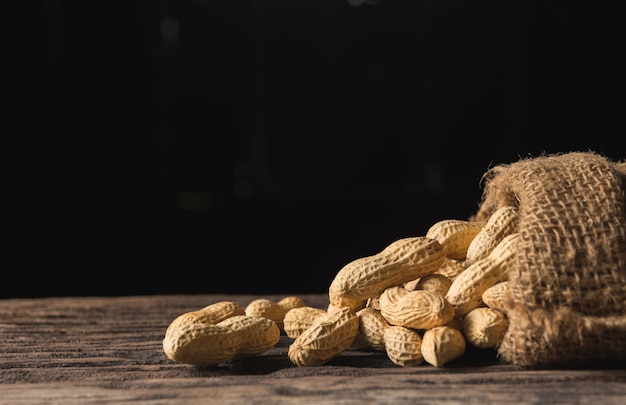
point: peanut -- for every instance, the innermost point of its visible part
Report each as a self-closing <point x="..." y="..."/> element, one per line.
<point x="466" y="290"/>
<point x="273" y="310"/>
<point x="291" y="301"/>
<point x="403" y="346"/>
<point x="435" y="283"/>
<point x="496" y="295"/>
<point x="205" y="344"/>
<point x="485" y="327"/>
<point x="417" y="309"/>
<point x="258" y="334"/>
<point x="403" y="260"/>
<point x="500" y="224"/>
<point x="326" y="338"/>
<point x="299" y="319"/>
<point x="454" y="235"/>
<point x="372" y="327"/>
<point x="200" y="344"/>
<point x="442" y="344"/>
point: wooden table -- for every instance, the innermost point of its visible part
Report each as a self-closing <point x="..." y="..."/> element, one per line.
<point x="94" y="350"/>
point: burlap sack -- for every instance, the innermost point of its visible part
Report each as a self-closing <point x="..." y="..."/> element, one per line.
<point x="567" y="301"/>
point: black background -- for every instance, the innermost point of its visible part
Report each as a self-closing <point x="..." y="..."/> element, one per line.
<point x="226" y="146"/>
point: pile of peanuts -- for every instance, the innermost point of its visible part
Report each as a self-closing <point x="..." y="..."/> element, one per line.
<point x="421" y="299"/>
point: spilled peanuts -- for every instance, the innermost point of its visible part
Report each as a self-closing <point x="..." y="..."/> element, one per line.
<point x="421" y="300"/>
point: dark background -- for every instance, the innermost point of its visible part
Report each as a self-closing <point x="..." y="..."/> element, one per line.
<point x="225" y="146"/>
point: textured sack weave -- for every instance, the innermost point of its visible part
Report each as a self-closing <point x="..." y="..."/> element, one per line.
<point x="567" y="303"/>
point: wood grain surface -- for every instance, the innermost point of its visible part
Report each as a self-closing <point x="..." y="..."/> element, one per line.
<point x="95" y="350"/>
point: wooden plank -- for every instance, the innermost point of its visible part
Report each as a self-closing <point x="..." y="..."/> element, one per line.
<point x="108" y="350"/>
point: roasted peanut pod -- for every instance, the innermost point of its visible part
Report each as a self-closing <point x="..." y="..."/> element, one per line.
<point x="205" y="344"/>
<point x="466" y="290"/>
<point x="299" y="319"/>
<point x="442" y="344"/>
<point x="201" y="344"/>
<point x="485" y="327"/>
<point x="501" y="223"/>
<point x="273" y="310"/>
<point x="325" y="339"/>
<point x="417" y="309"/>
<point x="454" y="235"/>
<point x="267" y="309"/>
<point x="435" y="283"/>
<point x="372" y="328"/>
<point x="402" y="261"/>
<point x="497" y="296"/>
<point x="258" y="334"/>
<point x="403" y="346"/>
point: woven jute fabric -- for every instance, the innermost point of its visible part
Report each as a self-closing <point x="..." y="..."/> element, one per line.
<point x="567" y="302"/>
